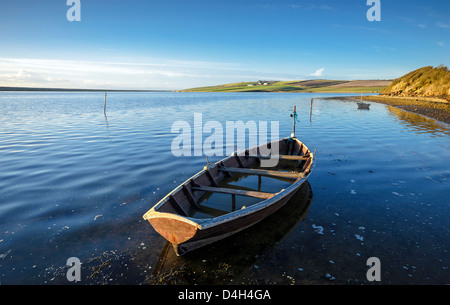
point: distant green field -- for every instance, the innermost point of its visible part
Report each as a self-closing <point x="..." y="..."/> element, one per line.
<point x="316" y="86"/>
<point x="347" y="90"/>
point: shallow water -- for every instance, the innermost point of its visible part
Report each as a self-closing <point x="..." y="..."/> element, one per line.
<point x="75" y="182"/>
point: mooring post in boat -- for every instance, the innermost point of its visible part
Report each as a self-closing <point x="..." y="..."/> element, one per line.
<point x="294" y="118"/>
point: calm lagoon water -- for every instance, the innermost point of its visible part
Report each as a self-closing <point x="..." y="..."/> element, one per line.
<point x="75" y="183"/>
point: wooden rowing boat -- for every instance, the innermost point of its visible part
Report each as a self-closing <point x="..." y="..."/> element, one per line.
<point x="172" y="217"/>
<point x="363" y="106"/>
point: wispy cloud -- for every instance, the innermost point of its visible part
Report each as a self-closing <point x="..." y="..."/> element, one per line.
<point x="320" y="7"/>
<point x="318" y="73"/>
<point x="378" y="48"/>
<point x="443" y="25"/>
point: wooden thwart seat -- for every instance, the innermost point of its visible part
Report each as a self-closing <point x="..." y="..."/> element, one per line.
<point x="261" y="172"/>
<point x="281" y="157"/>
<point x="254" y="194"/>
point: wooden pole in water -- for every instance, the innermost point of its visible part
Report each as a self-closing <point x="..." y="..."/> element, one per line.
<point x="104" y="106"/>
<point x="310" y="111"/>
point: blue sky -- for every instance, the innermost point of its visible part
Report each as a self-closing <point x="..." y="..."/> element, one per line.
<point x="181" y="44"/>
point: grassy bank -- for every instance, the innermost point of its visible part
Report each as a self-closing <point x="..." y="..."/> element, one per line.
<point x="423" y="82"/>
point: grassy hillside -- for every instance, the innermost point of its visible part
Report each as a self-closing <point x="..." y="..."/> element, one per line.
<point x="423" y="82"/>
<point x="332" y="86"/>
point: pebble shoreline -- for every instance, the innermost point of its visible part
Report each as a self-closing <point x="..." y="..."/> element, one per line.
<point x="439" y="111"/>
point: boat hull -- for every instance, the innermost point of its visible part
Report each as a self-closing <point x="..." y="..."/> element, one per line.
<point x="224" y="229"/>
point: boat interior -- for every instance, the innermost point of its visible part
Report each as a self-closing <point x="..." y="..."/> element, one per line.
<point x="238" y="181"/>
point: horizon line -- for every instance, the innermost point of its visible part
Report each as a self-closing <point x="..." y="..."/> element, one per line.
<point x="18" y="88"/>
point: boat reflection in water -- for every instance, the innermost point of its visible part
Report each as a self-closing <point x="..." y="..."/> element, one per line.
<point x="228" y="259"/>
